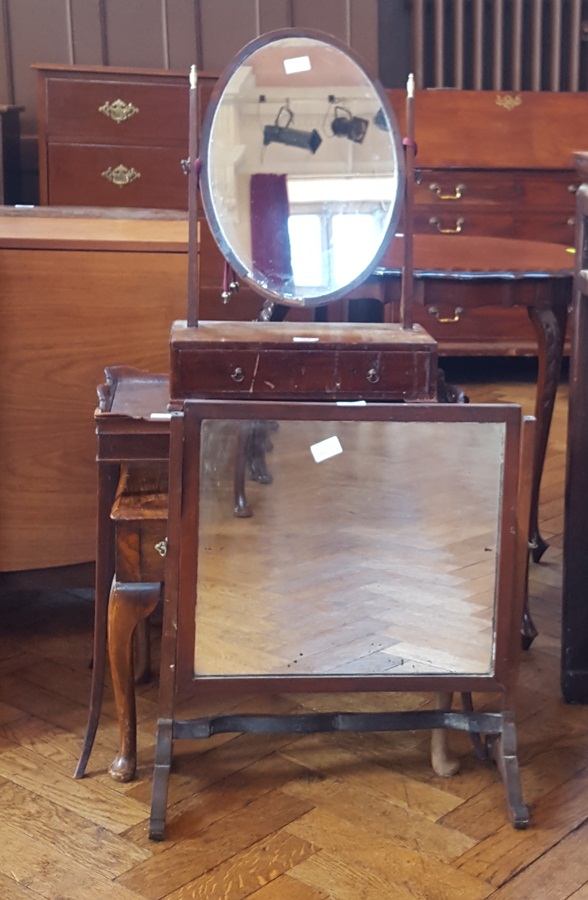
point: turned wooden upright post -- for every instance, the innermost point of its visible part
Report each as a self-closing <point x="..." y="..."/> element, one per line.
<point x="193" y="298"/>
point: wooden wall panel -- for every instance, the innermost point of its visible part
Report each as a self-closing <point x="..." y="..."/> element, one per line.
<point x="89" y="46"/>
<point x="135" y="33"/>
<point x="220" y="44"/>
<point x="6" y="88"/>
<point x="39" y="32"/>
<point x="183" y="34"/>
<point x="274" y="14"/>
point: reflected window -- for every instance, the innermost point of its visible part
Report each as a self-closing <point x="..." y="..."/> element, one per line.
<point x="331" y="248"/>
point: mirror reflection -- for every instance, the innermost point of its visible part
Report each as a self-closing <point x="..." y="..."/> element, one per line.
<point x="372" y="551"/>
<point x="302" y="181"/>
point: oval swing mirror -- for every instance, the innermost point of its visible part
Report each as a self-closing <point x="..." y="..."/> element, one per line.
<point x="302" y="173"/>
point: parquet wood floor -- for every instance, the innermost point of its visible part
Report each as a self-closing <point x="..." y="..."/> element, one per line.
<point x="347" y="817"/>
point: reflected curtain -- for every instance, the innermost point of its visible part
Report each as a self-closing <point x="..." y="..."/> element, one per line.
<point x="270" y="240"/>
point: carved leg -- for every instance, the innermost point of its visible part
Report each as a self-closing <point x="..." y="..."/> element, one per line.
<point x="503" y="750"/>
<point x="129" y="604"/>
<point x="550" y="328"/>
<point x="142" y="653"/>
<point x="442" y="763"/>
<point x="107" y="481"/>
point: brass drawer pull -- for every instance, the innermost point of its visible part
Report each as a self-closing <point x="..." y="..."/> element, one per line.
<point x="121" y="175"/>
<point x="458" y="226"/>
<point x="238" y="374"/>
<point x="161" y="547"/>
<point x="373" y="376"/>
<point x="457" y="314"/>
<point x="571" y="220"/>
<point x="457" y="194"/>
<point x="119" y="111"/>
<point x="573" y="188"/>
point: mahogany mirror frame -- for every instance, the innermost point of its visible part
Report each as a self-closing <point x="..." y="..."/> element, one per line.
<point x="178" y="641"/>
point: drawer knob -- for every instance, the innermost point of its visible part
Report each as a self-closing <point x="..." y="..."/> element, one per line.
<point x="444" y="320"/>
<point x="457" y="193"/>
<point x="119" y="111"/>
<point x="373" y="376"/>
<point x="121" y="175"/>
<point x="573" y="188"/>
<point x="238" y="374"/>
<point x="455" y="230"/>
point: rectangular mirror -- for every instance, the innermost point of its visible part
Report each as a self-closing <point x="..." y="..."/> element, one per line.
<point x="373" y="551"/>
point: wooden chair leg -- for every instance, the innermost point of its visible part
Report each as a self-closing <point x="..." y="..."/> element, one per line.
<point x="129" y="604"/>
<point x="443" y="763"/>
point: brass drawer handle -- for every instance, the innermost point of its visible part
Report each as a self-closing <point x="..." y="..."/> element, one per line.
<point x="457" y="194"/>
<point x="373" y="376"/>
<point x="457" y="314"/>
<point x="571" y="220"/>
<point x="119" y="111"/>
<point x="238" y="374"/>
<point x="161" y="547"/>
<point x="121" y="175"/>
<point x="458" y="226"/>
<point x="573" y="188"/>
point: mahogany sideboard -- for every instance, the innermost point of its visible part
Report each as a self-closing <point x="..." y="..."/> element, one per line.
<point x="488" y="163"/>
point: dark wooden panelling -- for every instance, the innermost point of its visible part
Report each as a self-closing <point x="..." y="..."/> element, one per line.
<point x="134" y="33"/>
<point x="274" y="14"/>
<point x="39" y="31"/>
<point x="331" y="16"/>
<point x="87" y="33"/>
<point x="183" y="34"/>
<point x="6" y="87"/>
<point x="225" y="31"/>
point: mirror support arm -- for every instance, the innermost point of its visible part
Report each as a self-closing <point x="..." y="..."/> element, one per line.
<point x="407" y="289"/>
<point x="193" y="236"/>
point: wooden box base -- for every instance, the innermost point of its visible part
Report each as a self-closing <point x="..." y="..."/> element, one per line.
<point x="296" y="361"/>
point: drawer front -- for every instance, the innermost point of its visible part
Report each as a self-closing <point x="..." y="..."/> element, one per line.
<point x="401" y="374"/>
<point x="547" y="191"/>
<point x="446" y="189"/>
<point x="501" y="330"/>
<point x="117" y="176"/>
<point x="137" y="558"/>
<point x="117" y="112"/>
<point x="557" y="227"/>
<point x="466" y="222"/>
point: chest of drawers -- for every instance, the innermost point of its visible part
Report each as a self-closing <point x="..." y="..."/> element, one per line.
<point x="496" y="164"/>
<point x="113" y="137"/>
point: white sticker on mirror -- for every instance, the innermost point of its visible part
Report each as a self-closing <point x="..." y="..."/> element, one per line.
<point x="325" y="449"/>
<point x="297" y="64"/>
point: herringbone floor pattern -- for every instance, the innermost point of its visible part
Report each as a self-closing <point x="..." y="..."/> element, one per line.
<point x="347" y="817"/>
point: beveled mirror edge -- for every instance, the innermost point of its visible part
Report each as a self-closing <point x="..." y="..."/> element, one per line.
<point x="207" y="202"/>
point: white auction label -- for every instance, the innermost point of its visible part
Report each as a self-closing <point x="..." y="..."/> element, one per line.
<point x="325" y="449"/>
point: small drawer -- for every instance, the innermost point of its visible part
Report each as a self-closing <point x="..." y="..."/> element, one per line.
<point x="116" y="111"/>
<point x="139" y="514"/>
<point x="117" y="176"/>
<point x="285" y="374"/>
